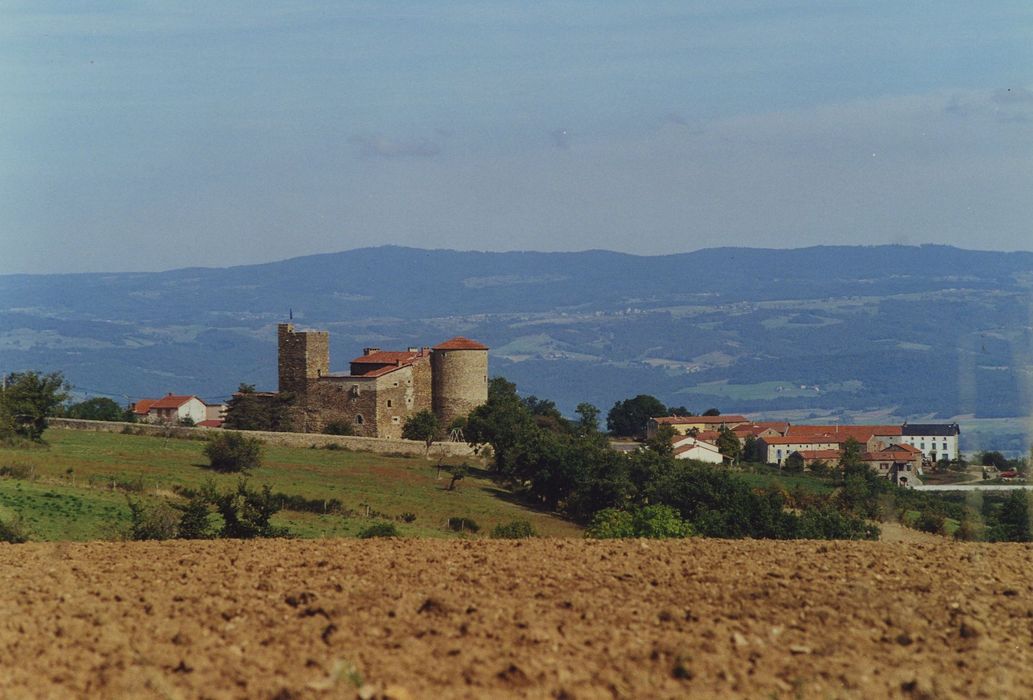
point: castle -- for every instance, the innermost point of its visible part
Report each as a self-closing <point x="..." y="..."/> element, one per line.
<point x="383" y="387"/>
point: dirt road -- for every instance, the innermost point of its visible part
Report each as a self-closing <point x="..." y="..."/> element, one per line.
<point x="539" y="618"/>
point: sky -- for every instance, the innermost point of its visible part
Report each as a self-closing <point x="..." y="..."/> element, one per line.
<point x="154" y="135"/>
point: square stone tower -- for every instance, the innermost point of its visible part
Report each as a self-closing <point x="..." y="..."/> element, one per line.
<point x="303" y="356"/>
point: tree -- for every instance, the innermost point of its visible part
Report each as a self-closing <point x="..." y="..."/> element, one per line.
<point x="423" y="426"/>
<point x="588" y="419"/>
<point x="628" y="418"/>
<point x="663" y="441"/>
<point x="458" y="473"/>
<point x="233" y="452"/>
<point x="249" y="410"/>
<point x="28" y="400"/>
<point x="794" y="463"/>
<point x="1014" y="519"/>
<point x="505" y="423"/>
<point x="728" y="444"/>
<point x="97" y="408"/>
<point x="711" y="412"/>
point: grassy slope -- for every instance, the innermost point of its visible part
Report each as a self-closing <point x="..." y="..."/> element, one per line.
<point x="72" y="496"/>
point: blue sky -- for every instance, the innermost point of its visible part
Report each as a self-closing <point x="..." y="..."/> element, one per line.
<point x="152" y="135"/>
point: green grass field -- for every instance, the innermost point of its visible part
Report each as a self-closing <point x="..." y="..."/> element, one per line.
<point x="79" y="481"/>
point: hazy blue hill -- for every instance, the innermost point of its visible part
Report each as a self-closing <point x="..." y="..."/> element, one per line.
<point x="928" y="329"/>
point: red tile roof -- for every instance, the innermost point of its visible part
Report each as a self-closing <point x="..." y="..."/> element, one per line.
<point x="211" y="423"/>
<point x="682" y="449"/>
<point x="805" y="439"/>
<point x="460" y="343"/>
<point x="172" y="401"/>
<point x="861" y="433"/>
<point x="889" y="455"/>
<point x="386" y="357"/>
<point x="143" y="406"/>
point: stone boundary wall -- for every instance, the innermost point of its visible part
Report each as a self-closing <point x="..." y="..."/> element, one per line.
<point x="386" y="446"/>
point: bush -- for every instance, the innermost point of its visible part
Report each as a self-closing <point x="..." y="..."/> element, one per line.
<point x="25" y="472"/>
<point x="655" y="522"/>
<point x="407" y="517"/>
<point x="233" y="452"/>
<point x="379" y="530"/>
<point x="13" y="531"/>
<point x="828" y="523"/>
<point x="337" y="427"/>
<point x="929" y="521"/>
<point x="246" y="513"/>
<point x="194" y="522"/>
<point x="610" y="523"/>
<point x="156" y="522"/>
<point x="463" y="525"/>
<point x="515" y="530"/>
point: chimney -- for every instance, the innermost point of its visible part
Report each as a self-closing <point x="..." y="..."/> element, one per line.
<point x="370" y="351"/>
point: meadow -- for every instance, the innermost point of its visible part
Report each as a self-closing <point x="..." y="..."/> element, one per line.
<point x="75" y="487"/>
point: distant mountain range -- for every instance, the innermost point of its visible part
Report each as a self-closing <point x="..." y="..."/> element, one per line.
<point x="913" y="331"/>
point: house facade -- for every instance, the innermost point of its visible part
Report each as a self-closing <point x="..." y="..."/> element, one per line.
<point x="936" y="440"/>
<point x="171" y="408"/>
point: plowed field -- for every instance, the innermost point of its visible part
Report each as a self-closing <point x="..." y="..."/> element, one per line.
<point x="538" y="618"/>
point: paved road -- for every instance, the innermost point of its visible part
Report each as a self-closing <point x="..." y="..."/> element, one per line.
<point x="973" y="487"/>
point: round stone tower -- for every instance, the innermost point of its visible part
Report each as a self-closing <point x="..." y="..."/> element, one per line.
<point x="459" y="378"/>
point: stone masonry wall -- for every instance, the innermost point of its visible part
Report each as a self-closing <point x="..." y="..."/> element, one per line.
<point x="356" y="444"/>
<point x="301" y="358"/>
<point x="460" y="382"/>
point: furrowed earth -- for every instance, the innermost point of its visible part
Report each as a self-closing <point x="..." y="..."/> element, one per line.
<point x="535" y="618"/>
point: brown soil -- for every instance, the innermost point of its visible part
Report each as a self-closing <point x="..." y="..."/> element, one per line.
<point x="540" y="618"/>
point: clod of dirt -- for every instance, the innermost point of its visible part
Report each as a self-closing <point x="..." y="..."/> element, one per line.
<point x="433" y="606"/>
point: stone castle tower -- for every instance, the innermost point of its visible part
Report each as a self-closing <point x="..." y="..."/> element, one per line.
<point x="383" y="387"/>
<point x="459" y="376"/>
<point x="303" y="357"/>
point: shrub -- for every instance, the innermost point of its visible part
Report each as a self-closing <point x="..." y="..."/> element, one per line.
<point x="463" y="525"/>
<point x="194" y="523"/>
<point x="379" y="530"/>
<point x="233" y="452"/>
<point x="18" y="471"/>
<point x="515" y="530"/>
<point x="156" y="522"/>
<point x="656" y="522"/>
<point x="13" y="531"/>
<point x="246" y="513"/>
<point x="338" y="427"/>
<point x="610" y="523"/>
<point x="929" y="521"/>
<point x="828" y="523"/>
<point x="407" y="517"/>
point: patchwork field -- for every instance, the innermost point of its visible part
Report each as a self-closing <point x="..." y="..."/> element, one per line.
<point x="540" y="618"/>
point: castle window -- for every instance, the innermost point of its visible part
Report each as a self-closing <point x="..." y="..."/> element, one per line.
<point x="359" y="420"/>
<point x="394" y="419"/>
<point x="390" y="403"/>
<point x="394" y="384"/>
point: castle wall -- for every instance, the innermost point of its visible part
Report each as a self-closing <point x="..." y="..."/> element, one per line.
<point x="359" y="444"/>
<point x="460" y="382"/>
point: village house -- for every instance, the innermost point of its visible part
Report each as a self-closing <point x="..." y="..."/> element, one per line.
<point x="171" y="408"/>
<point x="689" y="447"/>
<point x="936" y="440"/>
